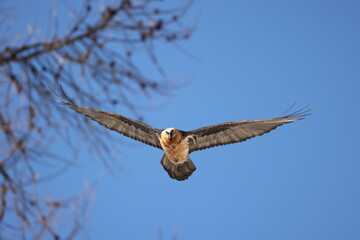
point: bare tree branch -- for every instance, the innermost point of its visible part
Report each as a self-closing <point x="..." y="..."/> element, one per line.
<point x="94" y="60"/>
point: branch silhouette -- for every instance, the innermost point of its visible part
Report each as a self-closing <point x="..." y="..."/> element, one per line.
<point x="94" y="60"/>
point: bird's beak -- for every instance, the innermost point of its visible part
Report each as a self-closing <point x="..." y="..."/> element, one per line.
<point x="171" y="134"/>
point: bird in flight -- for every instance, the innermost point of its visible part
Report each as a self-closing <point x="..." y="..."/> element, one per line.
<point x="178" y="144"/>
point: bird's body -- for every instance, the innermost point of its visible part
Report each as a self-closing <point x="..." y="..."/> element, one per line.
<point x="175" y="147"/>
<point x="176" y="159"/>
<point x="177" y="144"/>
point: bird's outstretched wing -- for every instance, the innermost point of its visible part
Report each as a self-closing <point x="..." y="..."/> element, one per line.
<point x="233" y="132"/>
<point x="124" y="125"/>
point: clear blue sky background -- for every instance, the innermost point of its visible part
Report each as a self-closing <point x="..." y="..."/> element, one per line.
<point x="254" y="60"/>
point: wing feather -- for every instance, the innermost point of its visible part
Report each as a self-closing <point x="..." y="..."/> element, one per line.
<point x="233" y="132"/>
<point x="119" y="123"/>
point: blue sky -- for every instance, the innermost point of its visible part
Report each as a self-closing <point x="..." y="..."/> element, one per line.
<point x="254" y="59"/>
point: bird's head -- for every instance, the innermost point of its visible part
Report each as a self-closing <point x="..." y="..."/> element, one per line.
<point x="169" y="133"/>
<point x="171" y="136"/>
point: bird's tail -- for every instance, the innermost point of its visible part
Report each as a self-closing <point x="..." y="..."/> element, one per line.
<point x="178" y="171"/>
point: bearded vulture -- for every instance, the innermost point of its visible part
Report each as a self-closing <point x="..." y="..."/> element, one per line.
<point x="178" y="144"/>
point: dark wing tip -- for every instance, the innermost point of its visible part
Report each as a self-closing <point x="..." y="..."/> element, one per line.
<point x="300" y="114"/>
<point x="60" y="95"/>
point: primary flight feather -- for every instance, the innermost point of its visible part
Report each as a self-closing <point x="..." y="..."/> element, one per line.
<point x="178" y="144"/>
